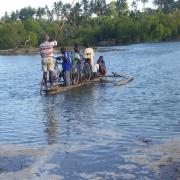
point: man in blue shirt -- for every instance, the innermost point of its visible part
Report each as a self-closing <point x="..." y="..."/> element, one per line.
<point x="66" y="65"/>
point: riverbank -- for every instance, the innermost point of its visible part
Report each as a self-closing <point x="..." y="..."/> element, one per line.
<point x="20" y="162"/>
<point x="28" y="51"/>
<point x="22" y="51"/>
<point x="33" y="51"/>
<point x="162" y="159"/>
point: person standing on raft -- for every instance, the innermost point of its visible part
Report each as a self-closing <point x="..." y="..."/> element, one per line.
<point x="46" y="52"/>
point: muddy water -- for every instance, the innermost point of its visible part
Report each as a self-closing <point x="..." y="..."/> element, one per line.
<point x="98" y="131"/>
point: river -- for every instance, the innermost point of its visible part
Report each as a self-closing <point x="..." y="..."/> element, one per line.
<point x="98" y="131"/>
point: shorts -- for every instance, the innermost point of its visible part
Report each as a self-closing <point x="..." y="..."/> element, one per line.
<point x="47" y="64"/>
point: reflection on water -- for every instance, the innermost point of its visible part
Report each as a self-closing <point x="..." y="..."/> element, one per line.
<point x="51" y="120"/>
<point x="65" y="110"/>
<point x="94" y="131"/>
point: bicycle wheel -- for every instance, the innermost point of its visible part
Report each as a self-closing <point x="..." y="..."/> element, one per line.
<point x="60" y="75"/>
<point x="87" y="70"/>
<point x="75" y="74"/>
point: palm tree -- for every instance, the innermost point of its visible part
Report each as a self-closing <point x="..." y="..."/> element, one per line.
<point x="144" y="2"/>
<point x="86" y="8"/>
<point x="121" y="7"/>
<point x="112" y="9"/>
<point x="91" y="6"/>
<point x="48" y="12"/>
<point x="137" y="2"/>
<point x="134" y="6"/>
<point x="14" y="15"/>
<point x="40" y="12"/>
<point x="75" y="14"/>
<point x="26" y="13"/>
<point x="165" y="5"/>
<point x="65" y="10"/>
<point x="6" y="17"/>
<point x="100" y="7"/>
<point x="58" y="9"/>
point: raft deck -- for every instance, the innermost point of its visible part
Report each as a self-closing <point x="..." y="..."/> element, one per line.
<point x="61" y="88"/>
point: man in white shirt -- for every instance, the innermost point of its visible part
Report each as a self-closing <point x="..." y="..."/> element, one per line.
<point x="89" y="54"/>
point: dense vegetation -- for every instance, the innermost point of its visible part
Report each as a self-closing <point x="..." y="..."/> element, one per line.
<point x="94" y="21"/>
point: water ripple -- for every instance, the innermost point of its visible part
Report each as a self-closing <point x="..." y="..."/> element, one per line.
<point x="105" y="119"/>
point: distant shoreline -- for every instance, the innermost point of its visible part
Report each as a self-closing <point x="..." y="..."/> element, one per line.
<point x="19" y="51"/>
<point x="22" y="51"/>
<point x="34" y="51"/>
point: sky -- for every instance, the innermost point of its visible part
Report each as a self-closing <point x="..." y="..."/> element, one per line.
<point x="13" y="5"/>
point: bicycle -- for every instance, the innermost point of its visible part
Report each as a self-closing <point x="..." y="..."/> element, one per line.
<point x="58" y="71"/>
<point x="81" y="71"/>
<point x="75" y="72"/>
<point x="87" y="70"/>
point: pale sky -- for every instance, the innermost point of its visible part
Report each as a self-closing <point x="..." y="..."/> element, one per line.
<point x="12" y="5"/>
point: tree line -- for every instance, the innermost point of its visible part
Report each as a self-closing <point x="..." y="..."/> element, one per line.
<point x="93" y="21"/>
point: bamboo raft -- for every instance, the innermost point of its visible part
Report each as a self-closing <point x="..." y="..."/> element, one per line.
<point x="61" y="88"/>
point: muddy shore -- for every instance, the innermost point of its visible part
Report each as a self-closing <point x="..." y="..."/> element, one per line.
<point x="22" y="51"/>
<point x="33" y="51"/>
<point x="19" y="162"/>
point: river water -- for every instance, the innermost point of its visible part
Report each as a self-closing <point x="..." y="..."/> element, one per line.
<point x="91" y="132"/>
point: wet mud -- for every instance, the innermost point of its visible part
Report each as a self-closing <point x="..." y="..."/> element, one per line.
<point x="160" y="161"/>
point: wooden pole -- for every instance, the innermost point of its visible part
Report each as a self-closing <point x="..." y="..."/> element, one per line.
<point x="60" y="27"/>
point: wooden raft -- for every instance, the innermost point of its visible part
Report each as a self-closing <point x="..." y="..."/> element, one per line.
<point x="61" y="88"/>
